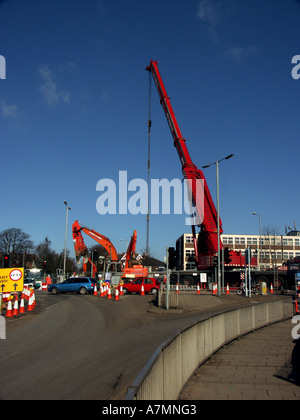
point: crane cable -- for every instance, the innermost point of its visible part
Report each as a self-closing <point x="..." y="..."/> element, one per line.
<point x="148" y="167"/>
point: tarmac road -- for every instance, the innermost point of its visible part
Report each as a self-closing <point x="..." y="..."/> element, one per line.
<point x="75" y="347"/>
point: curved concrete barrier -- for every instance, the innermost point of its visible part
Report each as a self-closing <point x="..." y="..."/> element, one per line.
<point x="172" y="364"/>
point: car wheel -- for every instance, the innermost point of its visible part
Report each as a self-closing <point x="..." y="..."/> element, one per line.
<point x="154" y="291"/>
<point x="82" y="291"/>
<point x="54" y="291"/>
<point x="125" y="291"/>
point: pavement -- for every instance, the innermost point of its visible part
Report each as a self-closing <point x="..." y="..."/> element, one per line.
<point x="262" y="365"/>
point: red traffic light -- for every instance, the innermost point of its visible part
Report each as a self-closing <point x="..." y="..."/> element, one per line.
<point x="6" y="261"/>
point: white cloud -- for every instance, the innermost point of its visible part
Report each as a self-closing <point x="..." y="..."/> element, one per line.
<point x="50" y="88"/>
<point x="240" y="53"/>
<point x="212" y="13"/>
<point x="8" y="110"/>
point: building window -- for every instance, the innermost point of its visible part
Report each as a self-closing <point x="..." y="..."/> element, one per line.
<point x="189" y="239"/>
<point x="239" y="241"/>
<point x="189" y="252"/>
<point x="190" y="266"/>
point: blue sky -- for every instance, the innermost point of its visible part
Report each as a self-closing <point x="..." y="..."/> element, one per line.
<point x="74" y="110"/>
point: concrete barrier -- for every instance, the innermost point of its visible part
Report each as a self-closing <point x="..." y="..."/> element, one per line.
<point x="175" y="361"/>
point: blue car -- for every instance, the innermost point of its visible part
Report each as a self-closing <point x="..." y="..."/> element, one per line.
<point x="82" y="285"/>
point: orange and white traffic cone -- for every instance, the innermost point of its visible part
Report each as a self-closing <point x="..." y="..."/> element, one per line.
<point x="109" y="293"/>
<point x="95" y="290"/>
<point x="198" y="289"/>
<point x="101" y="291"/>
<point x="214" y="289"/>
<point x="177" y="289"/>
<point x="121" y="290"/>
<point x="117" y="294"/>
<point x="30" y="303"/>
<point x="271" y="288"/>
<point x="142" y="290"/>
<point x="16" y="307"/>
<point x="22" y="306"/>
<point x="227" y="289"/>
<point x="9" y="312"/>
<point x="33" y="299"/>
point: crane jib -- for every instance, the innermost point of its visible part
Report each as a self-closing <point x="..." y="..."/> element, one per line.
<point x="190" y="170"/>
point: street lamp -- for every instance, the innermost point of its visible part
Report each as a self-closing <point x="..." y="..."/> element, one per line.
<point x="218" y="213"/>
<point x="65" y="253"/>
<point x="259" y="251"/>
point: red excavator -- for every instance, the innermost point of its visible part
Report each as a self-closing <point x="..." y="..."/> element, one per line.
<point x="131" y="268"/>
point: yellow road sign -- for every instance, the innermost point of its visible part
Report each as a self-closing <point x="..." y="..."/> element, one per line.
<point x="11" y="280"/>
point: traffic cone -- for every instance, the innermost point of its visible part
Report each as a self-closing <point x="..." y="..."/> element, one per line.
<point x="27" y="294"/>
<point x="117" y="294"/>
<point x="101" y="291"/>
<point x="95" y="290"/>
<point x="30" y="303"/>
<point x="177" y="289"/>
<point x="214" y="289"/>
<point x="142" y="290"/>
<point x="16" y="307"/>
<point x="9" y="312"/>
<point x="198" y="289"/>
<point x="271" y="288"/>
<point x="109" y="293"/>
<point x="22" y="306"/>
<point x="227" y="289"/>
<point x="33" y="299"/>
<point x="121" y="290"/>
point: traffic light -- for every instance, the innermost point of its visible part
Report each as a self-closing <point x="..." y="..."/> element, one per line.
<point x="172" y="258"/>
<point x="45" y="265"/>
<point x="6" y="261"/>
<point x="95" y="255"/>
<point x="215" y="260"/>
<point x="227" y="256"/>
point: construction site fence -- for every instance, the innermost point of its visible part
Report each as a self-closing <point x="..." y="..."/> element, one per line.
<point x="175" y="361"/>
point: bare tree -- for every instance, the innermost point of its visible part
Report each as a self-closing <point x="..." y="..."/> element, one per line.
<point x="15" y="241"/>
<point x="270" y="230"/>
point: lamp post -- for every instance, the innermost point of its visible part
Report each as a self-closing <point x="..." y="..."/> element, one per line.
<point x="65" y="253"/>
<point x="259" y="250"/>
<point x="125" y="240"/>
<point x="218" y="214"/>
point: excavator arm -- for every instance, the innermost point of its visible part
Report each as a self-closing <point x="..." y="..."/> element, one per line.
<point x="206" y="211"/>
<point x="80" y="247"/>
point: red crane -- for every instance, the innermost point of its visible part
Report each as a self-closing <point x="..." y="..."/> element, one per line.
<point x="207" y="245"/>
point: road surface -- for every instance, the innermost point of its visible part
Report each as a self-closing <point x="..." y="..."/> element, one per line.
<point x="77" y="347"/>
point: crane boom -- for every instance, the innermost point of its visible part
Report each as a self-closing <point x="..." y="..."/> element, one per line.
<point x="208" y="224"/>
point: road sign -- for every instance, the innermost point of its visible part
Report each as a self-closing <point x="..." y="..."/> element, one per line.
<point x="11" y="280"/>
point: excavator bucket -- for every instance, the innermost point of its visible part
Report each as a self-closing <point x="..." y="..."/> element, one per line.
<point x="79" y="245"/>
